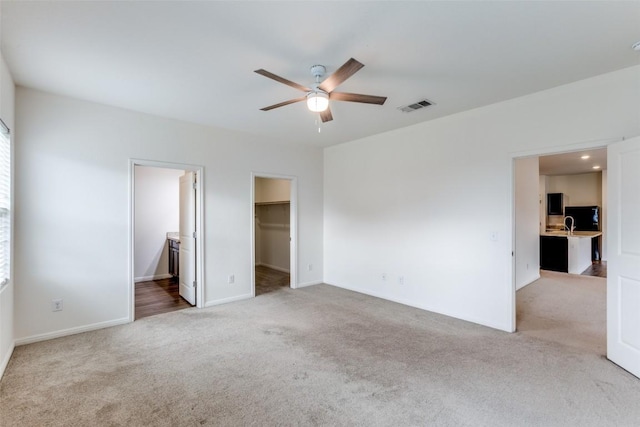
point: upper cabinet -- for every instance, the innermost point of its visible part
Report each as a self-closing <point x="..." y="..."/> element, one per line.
<point x="555" y="204"/>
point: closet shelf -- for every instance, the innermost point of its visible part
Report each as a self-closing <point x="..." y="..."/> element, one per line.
<point x="283" y="202"/>
<point x="273" y="225"/>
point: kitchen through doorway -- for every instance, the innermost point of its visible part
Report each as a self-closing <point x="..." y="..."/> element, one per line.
<point x="273" y="231"/>
<point x="613" y="297"/>
<point x="544" y="254"/>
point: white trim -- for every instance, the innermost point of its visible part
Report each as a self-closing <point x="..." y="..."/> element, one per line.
<point x="536" y="277"/>
<point x="228" y="300"/>
<point x="71" y="331"/>
<point x="293" y="225"/>
<point x="306" y="284"/>
<point x="559" y="148"/>
<point x="412" y="303"/>
<point x="200" y="254"/>
<point x="273" y="267"/>
<point x="5" y="361"/>
<point x="156" y="277"/>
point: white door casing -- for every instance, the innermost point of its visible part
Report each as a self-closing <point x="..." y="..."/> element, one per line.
<point x="623" y="247"/>
<point x="187" y="256"/>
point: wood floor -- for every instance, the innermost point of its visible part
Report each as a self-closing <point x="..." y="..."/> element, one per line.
<point x="162" y="296"/>
<point x="158" y="296"/>
<point x="597" y="268"/>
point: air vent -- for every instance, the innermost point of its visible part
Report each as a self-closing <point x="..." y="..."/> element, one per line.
<point x="416" y="106"/>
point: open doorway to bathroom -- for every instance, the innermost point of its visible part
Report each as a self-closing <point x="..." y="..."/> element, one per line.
<point x="165" y="256"/>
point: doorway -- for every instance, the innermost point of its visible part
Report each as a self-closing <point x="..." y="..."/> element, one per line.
<point x="162" y="250"/>
<point x="273" y="233"/>
<point x="580" y="177"/>
<point x="543" y="298"/>
<point x="622" y="285"/>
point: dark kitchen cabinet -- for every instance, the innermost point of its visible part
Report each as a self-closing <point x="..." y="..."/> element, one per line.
<point x="555" y="204"/>
<point x="554" y="253"/>
<point x="174" y="257"/>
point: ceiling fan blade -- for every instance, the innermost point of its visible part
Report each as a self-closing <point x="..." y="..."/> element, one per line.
<point x="326" y="115"/>
<point x="347" y="70"/>
<point x="282" y="104"/>
<point x="282" y="80"/>
<point x="356" y="97"/>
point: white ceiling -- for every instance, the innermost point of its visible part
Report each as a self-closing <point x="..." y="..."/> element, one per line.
<point x="573" y="163"/>
<point x="194" y="61"/>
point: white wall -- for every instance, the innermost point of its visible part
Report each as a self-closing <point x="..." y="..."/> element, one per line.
<point x="542" y="189"/>
<point x="603" y="219"/>
<point x="7" y="95"/>
<point x="579" y="190"/>
<point x="423" y="202"/>
<point x="157" y="211"/>
<point x="527" y="220"/>
<point x="72" y="166"/>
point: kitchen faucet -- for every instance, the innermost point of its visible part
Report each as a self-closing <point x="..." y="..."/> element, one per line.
<point x="570" y="229"/>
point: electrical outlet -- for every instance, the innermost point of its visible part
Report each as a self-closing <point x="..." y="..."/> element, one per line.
<point x="56" y="304"/>
<point x="310" y="267"/>
<point x="383" y="276"/>
<point x="401" y="280"/>
<point x="232" y="279"/>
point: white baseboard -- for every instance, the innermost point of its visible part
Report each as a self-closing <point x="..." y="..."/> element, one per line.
<point x="529" y="281"/>
<point x="71" y="331"/>
<point x="411" y="303"/>
<point x="304" y="285"/>
<point x="5" y="360"/>
<point x="273" y="267"/>
<point x="156" y="277"/>
<point x="227" y="300"/>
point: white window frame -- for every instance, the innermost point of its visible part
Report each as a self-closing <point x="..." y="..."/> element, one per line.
<point x="5" y="204"/>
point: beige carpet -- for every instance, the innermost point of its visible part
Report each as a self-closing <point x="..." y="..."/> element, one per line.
<point x="326" y="356"/>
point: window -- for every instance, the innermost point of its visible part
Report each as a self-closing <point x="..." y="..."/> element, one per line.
<point x="5" y="203"/>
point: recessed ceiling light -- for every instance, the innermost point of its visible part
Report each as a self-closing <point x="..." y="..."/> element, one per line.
<point x="636" y="46"/>
<point x="585" y="157"/>
<point x="596" y="167"/>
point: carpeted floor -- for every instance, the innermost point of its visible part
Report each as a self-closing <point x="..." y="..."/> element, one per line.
<point x="270" y="280"/>
<point x="326" y="356"/>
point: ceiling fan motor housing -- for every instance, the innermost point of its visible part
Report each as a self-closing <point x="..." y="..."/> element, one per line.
<point x="318" y="71"/>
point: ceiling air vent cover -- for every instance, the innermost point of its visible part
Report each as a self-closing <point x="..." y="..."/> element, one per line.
<point x="416" y="106"/>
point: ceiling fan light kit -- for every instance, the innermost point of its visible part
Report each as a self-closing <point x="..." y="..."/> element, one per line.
<point x="320" y="93"/>
<point x="317" y="101"/>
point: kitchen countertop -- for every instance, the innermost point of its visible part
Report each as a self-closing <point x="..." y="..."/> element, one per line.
<point x="585" y="234"/>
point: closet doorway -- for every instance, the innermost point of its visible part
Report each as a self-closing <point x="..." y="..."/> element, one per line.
<point x="273" y="234"/>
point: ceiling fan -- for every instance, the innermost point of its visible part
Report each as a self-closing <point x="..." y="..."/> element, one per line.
<point x="319" y="94"/>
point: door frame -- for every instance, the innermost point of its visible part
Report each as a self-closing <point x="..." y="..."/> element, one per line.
<point x="293" y="223"/>
<point x="537" y="152"/>
<point x="200" y="246"/>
